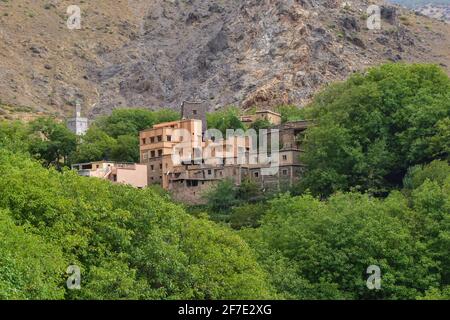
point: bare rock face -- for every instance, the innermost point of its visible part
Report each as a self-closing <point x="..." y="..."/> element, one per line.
<point x="251" y="52"/>
<point x="436" y="11"/>
<point x="153" y="54"/>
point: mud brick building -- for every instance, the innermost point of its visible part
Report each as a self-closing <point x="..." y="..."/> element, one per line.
<point x="189" y="164"/>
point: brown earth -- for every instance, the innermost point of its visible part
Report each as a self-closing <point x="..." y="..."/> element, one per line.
<point x="142" y="53"/>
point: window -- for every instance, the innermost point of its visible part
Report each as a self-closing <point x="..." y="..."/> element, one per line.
<point x="160" y="152"/>
<point x="152" y="167"/>
<point x="209" y="172"/>
<point x="285" y="172"/>
<point x="169" y="138"/>
<point x="152" y="139"/>
<point x="284" y="157"/>
<point x="143" y="141"/>
<point x="159" y="138"/>
<point x="192" y="183"/>
<point x="194" y="112"/>
<point x="160" y="165"/>
<point x="153" y="154"/>
<point x="256" y="174"/>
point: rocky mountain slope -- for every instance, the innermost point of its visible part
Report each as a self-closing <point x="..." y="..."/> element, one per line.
<point x="142" y="53"/>
<point x="440" y="12"/>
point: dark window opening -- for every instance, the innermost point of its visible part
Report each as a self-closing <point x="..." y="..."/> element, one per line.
<point x="192" y="183"/>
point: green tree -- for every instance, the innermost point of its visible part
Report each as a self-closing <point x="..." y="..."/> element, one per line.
<point x="95" y="145"/>
<point x="373" y="127"/>
<point x="222" y="197"/>
<point x="126" y="149"/>
<point x="15" y="136"/>
<point x="249" y="191"/>
<point x="51" y="142"/>
<point x="247" y="215"/>
<point x="123" y="122"/>
<point x="227" y="118"/>
<point x="30" y="268"/>
<point x="129" y="243"/>
<point x="291" y="113"/>
<point x="330" y="245"/>
<point x="261" y="124"/>
<point x="116" y="137"/>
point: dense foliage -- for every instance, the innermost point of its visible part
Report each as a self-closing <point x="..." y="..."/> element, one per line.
<point x="315" y="249"/>
<point x="370" y="129"/>
<point x="377" y="192"/>
<point x="116" y="137"/>
<point x="227" y="118"/>
<point x="128" y="243"/>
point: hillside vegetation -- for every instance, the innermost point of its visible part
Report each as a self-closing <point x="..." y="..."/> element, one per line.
<point x="376" y="192"/>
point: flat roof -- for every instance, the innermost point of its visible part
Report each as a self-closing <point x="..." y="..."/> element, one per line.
<point x="169" y="124"/>
<point x="269" y="111"/>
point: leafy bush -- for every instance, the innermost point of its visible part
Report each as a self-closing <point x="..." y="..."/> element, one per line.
<point x="373" y="127"/>
<point x="129" y="243"/>
<point x="227" y="118"/>
<point x="328" y="245"/>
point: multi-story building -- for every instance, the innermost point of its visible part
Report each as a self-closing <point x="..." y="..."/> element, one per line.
<point x="189" y="164"/>
<point x="158" y="144"/>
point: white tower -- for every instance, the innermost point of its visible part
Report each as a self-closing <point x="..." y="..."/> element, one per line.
<point x="78" y="125"/>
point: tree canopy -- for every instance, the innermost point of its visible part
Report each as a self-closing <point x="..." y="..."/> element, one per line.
<point x="371" y="128"/>
<point x="321" y="250"/>
<point x="129" y="244"/>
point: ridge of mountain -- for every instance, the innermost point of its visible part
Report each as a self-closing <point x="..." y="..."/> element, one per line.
<point x="155" y="54"/>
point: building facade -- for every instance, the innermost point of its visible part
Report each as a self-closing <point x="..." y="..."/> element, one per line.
<point x="190" y="164"/>
<point x="125" y="173"/>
